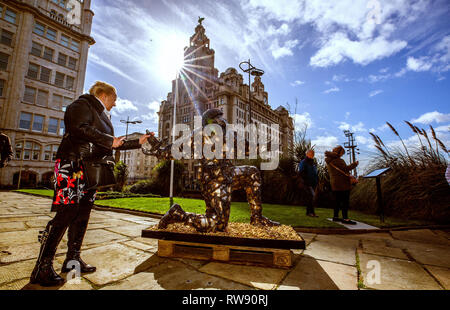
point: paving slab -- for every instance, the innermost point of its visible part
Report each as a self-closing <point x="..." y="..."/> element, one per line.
<point x="71" y="285"/>
<point x="129" y="230"/>
<point x="308" y="237"/>
<point x="21" y="252"/>
<point x="174" y="275"/>
<point x="425" y="253"/>
<point x="421" y="235"/>
<point x="140" y="246"/>
<point x="379" y="247"/>
<point x="368" y="236"/>
<point x="12" y="226"/>
<point x="94" y="236"/>
<point x="358" y="225"/>
<point x="333" y="249"/>
<point x="441" y="274"/>
<point x="21" y="270"/>
<point x="395" y="274"/>
<point x="258" y="277"/>
<point x="114" y="262"/>
<point x="308" y="274"/>
<point x="10" y="238"/>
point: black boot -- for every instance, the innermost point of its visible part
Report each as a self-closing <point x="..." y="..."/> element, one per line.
<point x="175" y="215"/>
<point x="75" y="236"/>
<point x="43" y="273"/>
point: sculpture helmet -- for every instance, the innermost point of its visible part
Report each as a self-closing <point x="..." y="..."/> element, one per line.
<point x="213" y="116"/>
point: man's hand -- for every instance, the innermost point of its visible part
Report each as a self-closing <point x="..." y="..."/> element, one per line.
<point x="117" y="142"/>
<point x="357" y="162"/>
<point x="144" y="138"/>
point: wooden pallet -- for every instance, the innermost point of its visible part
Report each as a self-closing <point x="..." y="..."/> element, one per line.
<point x="280" y="258"/>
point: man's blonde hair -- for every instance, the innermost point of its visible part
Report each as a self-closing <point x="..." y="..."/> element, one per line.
<point x="100" y="87"/>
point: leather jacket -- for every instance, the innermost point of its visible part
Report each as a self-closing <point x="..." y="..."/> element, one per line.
<point x="89" y="132"/>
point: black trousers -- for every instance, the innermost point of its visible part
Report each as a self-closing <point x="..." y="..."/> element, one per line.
<point x="76" y="219"/>
<point x="311" y="201"/>
<point x="342" y="203"/>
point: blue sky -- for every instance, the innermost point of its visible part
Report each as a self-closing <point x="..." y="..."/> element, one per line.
<point x="351" y="64"/>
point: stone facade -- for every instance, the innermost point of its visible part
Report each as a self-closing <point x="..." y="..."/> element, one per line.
<point x="201" y="88"/>
<point x="140" y="166"/>
<point x="43" y="58"/>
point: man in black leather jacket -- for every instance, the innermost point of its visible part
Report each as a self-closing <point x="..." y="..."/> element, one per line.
<point x="89" y="135"/>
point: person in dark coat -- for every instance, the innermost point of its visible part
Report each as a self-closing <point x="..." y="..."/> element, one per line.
<point x="89" y="135"/>
<point x="340" y="182"/>
<point x="6" y="151"/>
<point x="308" y="170"/>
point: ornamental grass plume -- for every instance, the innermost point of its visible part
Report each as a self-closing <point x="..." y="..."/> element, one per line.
<point x="415" y="188"/>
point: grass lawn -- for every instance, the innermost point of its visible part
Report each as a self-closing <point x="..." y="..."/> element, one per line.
<point x="285" y="214"/>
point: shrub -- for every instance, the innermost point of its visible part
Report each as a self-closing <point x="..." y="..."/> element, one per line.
<point x="416" y="187"/>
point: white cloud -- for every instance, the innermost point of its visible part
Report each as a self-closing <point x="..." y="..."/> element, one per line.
<point x="375" y="92"/>
<point x="354" y="128"/>
<point x="347" y="115"/>
<point x="152" y="116"/>
<point x="332" y="90"/>
<point x="432" y="117"/>
<point x="418" y="64"/>
<point x="281" y="51"/>
<point x="340" y="47"/>
<point x="325" y="141"/>
<point x="123" y="105"/>
<point x="302" y="120"/>
<point x="297" y="83"/>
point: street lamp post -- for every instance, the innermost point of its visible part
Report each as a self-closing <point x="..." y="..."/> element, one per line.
<point x="251" y="70"/>
<point x="174" y="121"/>
<point x="126" y="134"/>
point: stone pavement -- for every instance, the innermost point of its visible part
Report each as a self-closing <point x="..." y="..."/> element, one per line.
<point x="415" y="259"/>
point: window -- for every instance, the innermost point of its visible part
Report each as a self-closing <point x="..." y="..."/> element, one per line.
<point x="4" y="61"/>
<point x="62" y="59"/>
<point x="53" y="125"/>
<point x="38" y="123"/>
<point x="59" y="79"/>
<point x="62" y="129"/>
<point x="2" y="85"/>
<point x="72" y="63"/>
<point x="29" y="95"/>
<point x="39" y="29"/>
<point x="42" y="98"/>
<point x="66" y="102"/>
<point x="25" y="121"/>
<point x="45" y="74"/>
<point x="51" y="34"/>
<point x="56" y="102"/>
<point x="19" y="147"/>
<point x="30" y="150"/>
<point x="65" y="40"/>
<point x="69" y="82"/>
<point x="36" y="49"/>
<point x="36" y="151"/>
<point x="48" y="54"/>
<point x="6" y="37"/>
<point x="50" y="152"/>
<point x="33" y="71"/>
<point x="10" y="16"/>
<point x="75" y="46"/>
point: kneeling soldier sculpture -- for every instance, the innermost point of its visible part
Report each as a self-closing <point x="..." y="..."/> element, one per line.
<point x="218" y="178"/>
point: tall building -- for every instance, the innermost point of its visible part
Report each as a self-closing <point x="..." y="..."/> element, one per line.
<point x="43" y="55"/>
<point x="140" y="166"/>
<point x="201" y="88"/>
